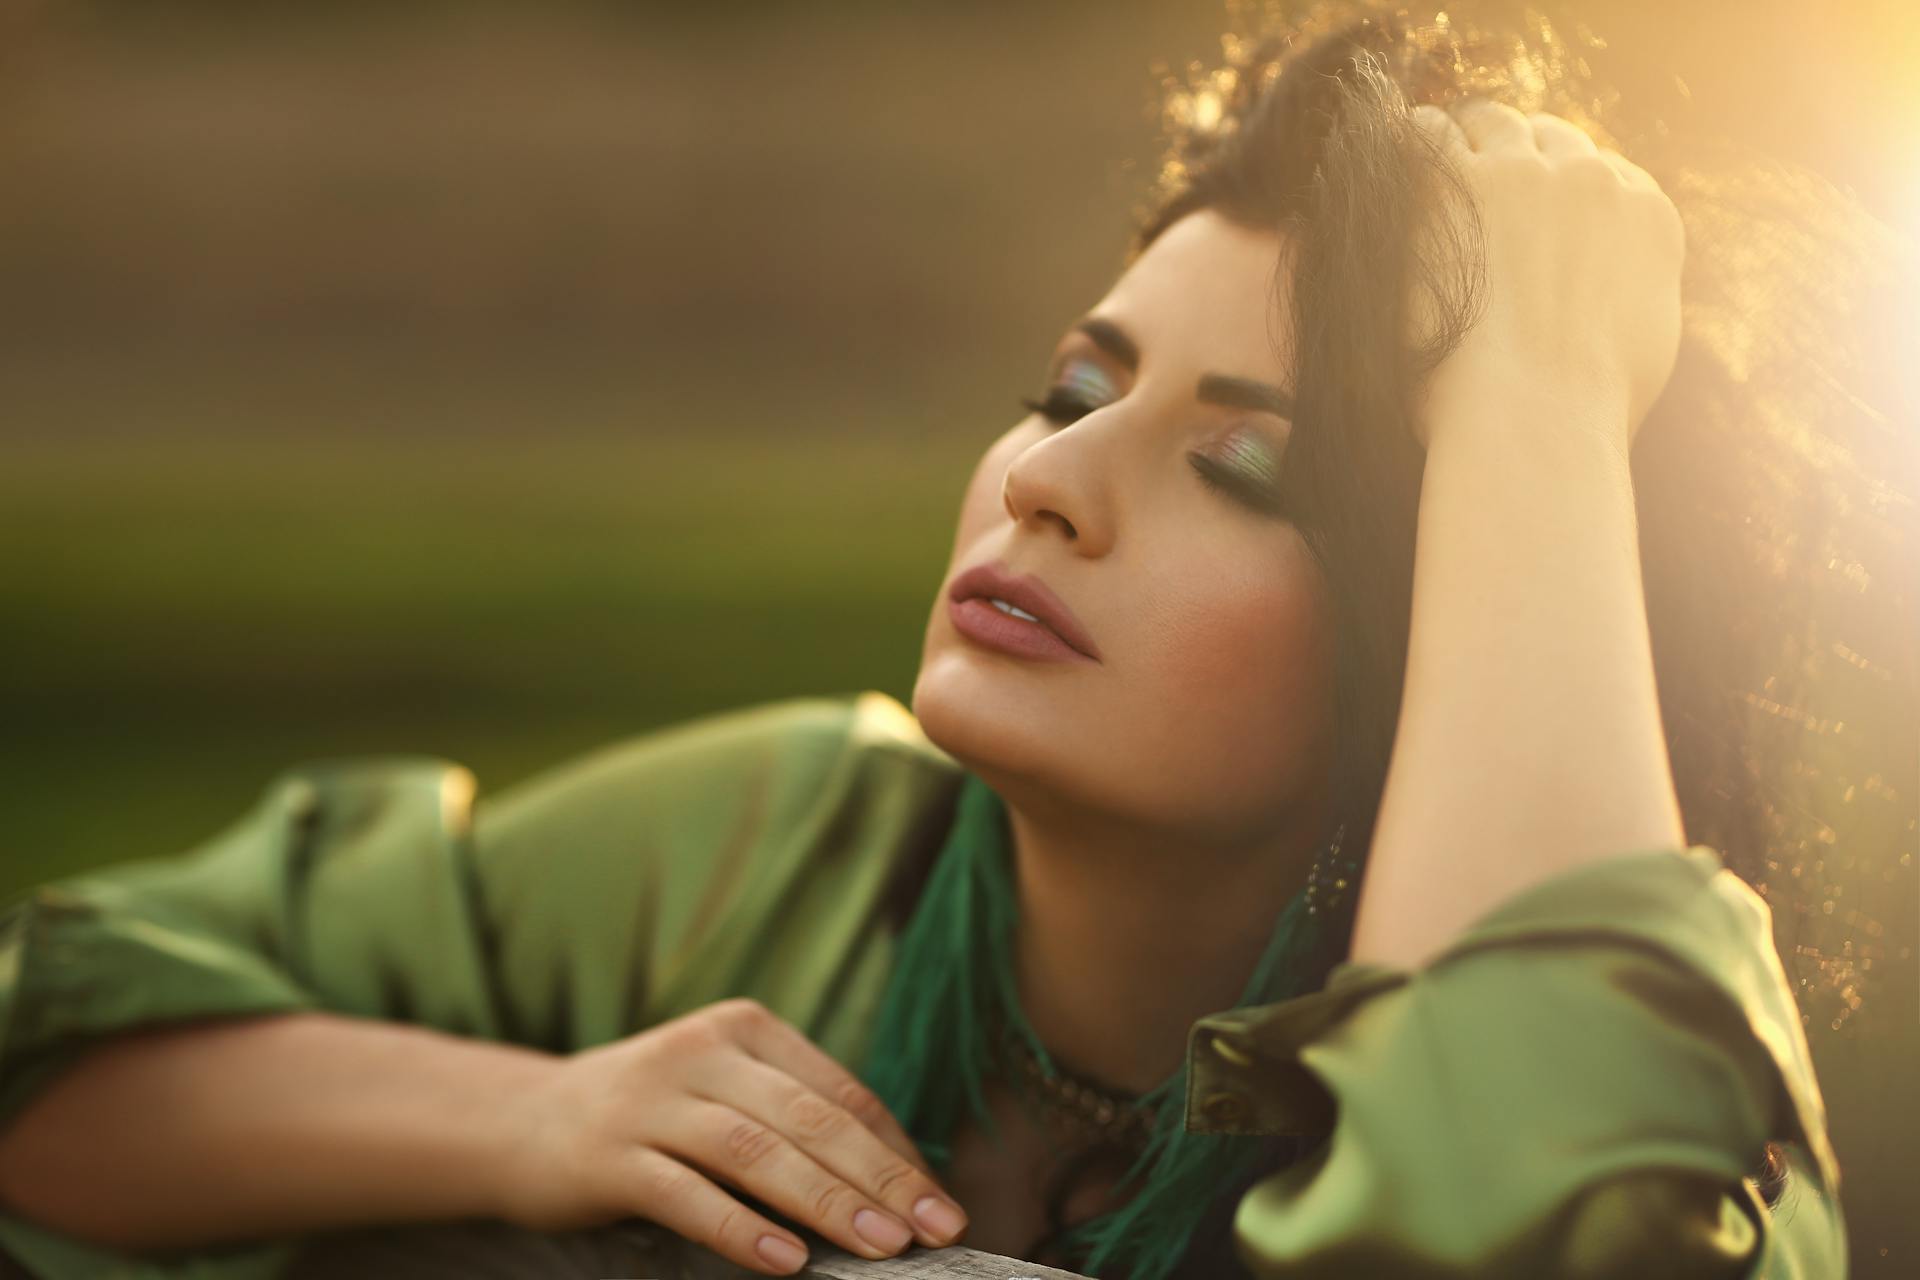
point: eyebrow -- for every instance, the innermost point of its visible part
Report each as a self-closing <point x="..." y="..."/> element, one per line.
<point x="1110" y="338"/>
<point x="1245" y="393"/>
<point x="1214" y="388"/>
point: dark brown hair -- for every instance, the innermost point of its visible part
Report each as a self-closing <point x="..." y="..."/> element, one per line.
<point x="1774" y="478"/>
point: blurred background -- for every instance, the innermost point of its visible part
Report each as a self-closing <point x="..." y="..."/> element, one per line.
<point x="492" y="381"/>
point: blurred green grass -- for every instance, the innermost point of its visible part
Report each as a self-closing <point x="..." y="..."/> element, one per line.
<point x="187" y="615"/>
<point x="493" y="381"/>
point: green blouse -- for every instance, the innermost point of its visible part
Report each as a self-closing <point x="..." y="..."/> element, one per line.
<point x="1580" y="1086"/>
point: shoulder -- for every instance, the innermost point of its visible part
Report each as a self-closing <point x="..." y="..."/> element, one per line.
<point x="738" y="853"/>
<point x="710" y="807"/>
<point x="780" y="759"/>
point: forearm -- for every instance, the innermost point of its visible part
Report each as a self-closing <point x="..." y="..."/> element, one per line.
<point x="1529" y="738"/>
<point x="233" y="1130"/>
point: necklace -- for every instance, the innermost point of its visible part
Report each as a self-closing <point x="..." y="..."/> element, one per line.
<point x="1084" y="1110"/>
<point x="1094" y="1128"/>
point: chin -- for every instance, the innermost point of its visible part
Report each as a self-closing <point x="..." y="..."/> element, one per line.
<point x="1046" y="744"/>
<point x="1040" y="742"/>
<point x="998" y="720"/>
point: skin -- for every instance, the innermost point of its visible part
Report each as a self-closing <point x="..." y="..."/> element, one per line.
<point x="1163" y="800"/>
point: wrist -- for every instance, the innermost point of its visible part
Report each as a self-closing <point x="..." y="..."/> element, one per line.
<point x="513" y="1125"/>
<point x="1523" y="408"/>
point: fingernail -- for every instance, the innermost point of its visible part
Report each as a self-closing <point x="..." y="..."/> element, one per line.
<point x="780" y="1253"/>
<point x="889" y="1235"/>
<point x="942" y="1220"/>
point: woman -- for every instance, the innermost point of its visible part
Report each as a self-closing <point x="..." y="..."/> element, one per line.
<point x="810" y="966"/>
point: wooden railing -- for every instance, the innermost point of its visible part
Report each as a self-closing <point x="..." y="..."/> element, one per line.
<point x="630" y="1250"/>
<point x="829" y="1263"/>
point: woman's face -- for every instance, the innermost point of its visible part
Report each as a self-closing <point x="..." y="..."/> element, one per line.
<point x="1142" y="500"/>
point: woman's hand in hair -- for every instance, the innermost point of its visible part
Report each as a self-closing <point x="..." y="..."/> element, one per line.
<point x="1583" y="252"/>
<point x="647" y="1126"/>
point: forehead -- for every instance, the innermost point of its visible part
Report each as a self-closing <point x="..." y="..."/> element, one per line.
<point x="1206" y="296"/>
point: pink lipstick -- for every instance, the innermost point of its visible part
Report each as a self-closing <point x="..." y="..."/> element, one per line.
<point x="1017" y="614"/>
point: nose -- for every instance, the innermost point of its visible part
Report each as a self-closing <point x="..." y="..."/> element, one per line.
<point x="1058" y="485"/>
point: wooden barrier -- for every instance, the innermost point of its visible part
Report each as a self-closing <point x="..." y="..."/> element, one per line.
<point x="631" y="1250"/>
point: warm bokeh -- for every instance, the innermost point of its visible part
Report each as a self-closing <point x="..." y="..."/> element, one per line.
<point x="493" y="381"/>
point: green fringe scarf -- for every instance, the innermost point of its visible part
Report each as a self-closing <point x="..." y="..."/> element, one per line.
<point x="953" y="981"/>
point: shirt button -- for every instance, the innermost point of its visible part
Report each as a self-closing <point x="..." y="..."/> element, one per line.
<point x="1232" y="1050"/>
<point x="1224" y="1108"/>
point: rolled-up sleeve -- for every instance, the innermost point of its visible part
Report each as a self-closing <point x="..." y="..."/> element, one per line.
<point x="1583" y="1085"/>
<point x="257" y="922"/>
<point x="384" y="887"/>
<point x="347" y="887"/>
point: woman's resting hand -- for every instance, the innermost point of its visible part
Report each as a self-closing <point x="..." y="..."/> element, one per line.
<point x="1583" y="256"/>
<point x="731" y="1093"/>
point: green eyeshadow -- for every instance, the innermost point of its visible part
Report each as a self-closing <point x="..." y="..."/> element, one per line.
<point x="1250" y="457"/>
<point x="1087" y="381"/>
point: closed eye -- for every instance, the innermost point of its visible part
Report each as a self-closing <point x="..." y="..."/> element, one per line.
<point x="1061" y="406"/>
<point x="1249" y="492"/>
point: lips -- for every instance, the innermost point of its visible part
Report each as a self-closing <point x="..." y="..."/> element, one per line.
<point x="1053" y="625"/>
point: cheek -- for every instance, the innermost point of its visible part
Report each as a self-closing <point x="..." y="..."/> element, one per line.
<point x="1243" y="671"/>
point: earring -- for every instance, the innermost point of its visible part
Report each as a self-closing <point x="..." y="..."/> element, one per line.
<point x="1332" y="875"/>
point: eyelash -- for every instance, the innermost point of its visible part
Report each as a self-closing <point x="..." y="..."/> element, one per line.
<point x="1061" y="408"/>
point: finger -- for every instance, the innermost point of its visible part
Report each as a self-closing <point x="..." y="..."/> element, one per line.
<point x="740" y="1147"/>
<point x="1435" y="120"/>
<point x="1556" y="136"/>
<point x="779" y="1043"/>
<point x="831" y="1135"/>
<point x="1491" y="125"/>
<point x="691" y="1206"/>
<point x="1630" y="173"/>
<point x="1652" y="197"/>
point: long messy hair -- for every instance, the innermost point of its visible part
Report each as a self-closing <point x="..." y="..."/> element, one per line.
<point x="1774" y="478"/>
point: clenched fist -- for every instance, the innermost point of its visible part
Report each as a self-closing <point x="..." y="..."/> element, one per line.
<point x="1583" y="255"/>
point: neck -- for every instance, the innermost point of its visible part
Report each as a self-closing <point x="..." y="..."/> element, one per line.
<point x="1127" y="935"/>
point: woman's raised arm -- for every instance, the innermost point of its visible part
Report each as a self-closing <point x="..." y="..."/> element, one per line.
<point x="1529" y="739"/>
